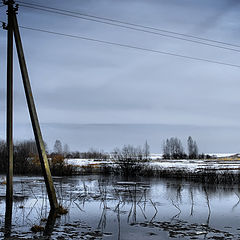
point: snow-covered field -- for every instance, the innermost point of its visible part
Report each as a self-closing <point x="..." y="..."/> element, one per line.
<point x="221" y="163"/>
<point x="195" y="165"/>
<point x="79" y="162"/>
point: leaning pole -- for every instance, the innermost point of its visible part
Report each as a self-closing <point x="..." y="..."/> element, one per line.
<point x="13" y="28"/>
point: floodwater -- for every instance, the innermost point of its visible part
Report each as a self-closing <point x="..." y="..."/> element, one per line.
<point x="101" y="207"/>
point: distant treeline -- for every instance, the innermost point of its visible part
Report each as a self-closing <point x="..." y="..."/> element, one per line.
<point x="91" y="154"/>
<point x="26" y="160"/>
<point x="128" y="158"/>
<point x="63" y="149"/>
<point x="173" y="149"/>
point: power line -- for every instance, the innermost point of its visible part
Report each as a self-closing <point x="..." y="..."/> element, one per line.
<point x="130" y="46"/>
<point x="135" y="29"/>
<point x="131" y="24"/>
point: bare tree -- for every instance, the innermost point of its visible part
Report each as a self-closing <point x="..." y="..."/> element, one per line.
<point x="129" y="159"/>
<point x="146" y="150"/>
<point x="166" y="149"/>
<point x="192" y="148"/>
<point x="195" y="149"/>
<point x="66" y="149"/>
<point x="57" y="148"/>
<point x="3" y="156"/>
<point x="173" y="149"/>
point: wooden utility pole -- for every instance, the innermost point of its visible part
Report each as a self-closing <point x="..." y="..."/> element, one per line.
<point x="31" y="107"/>
<point x="9" y="130"/>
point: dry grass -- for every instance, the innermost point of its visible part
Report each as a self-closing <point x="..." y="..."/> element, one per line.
<point x="3" y="181"/>
<point x="62" y="210"/>
<point x="37" y="228"/>
<point x="229" y="159"/>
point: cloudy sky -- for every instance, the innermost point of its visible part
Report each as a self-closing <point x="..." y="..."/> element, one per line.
<point x="95" y="95"/>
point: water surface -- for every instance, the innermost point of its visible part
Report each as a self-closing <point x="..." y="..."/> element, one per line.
<point x="101" y="207"/>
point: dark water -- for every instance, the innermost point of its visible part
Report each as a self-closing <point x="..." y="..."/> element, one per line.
<point x="111" y="208"/>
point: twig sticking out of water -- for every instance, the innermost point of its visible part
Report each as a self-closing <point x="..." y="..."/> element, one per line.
<point x="237" y="201"/>
<point x="85" y="188"/>
<point x="130" y="213"/>
<point x="103" y="220"/>
<point x="144" y="215"/>
<point x="156" y="210"/>
<point x="177" y="215"/>
<point x="79" y="207"/>
<point x="32" y="191"/>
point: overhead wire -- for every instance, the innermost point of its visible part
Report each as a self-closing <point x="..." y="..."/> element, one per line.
<point x="130" y="24"/>
<point x="133" y="28"/>
<point x="130" y="46"/>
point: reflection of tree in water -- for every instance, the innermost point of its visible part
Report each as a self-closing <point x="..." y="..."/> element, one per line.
<point x="115" y="198"/>
<point x="174" y="194"/>
<point x="192" y="201"/>
<point x="127" y="200"/>
<point x="124" y="193"/>
<point x="180" y="228"/>
<point x="213" y="189"/>
<point x="102" y="186"/>
<point x="174" y="189"/>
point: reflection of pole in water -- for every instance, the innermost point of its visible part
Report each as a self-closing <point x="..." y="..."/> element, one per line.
<point x="8" y="219"/>
<point x="50" y="223"/>
<point x="209" y="209"/>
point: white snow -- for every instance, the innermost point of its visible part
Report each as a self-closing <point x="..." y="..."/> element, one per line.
<point x="193" y="165"/>
<point x="84" y="162"/>
<point x="158" y="162"/>
<point x="221" y="155"/>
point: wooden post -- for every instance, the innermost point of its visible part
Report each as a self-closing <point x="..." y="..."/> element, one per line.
<point x="9" y="130"/>
<point x="34" y="117"/>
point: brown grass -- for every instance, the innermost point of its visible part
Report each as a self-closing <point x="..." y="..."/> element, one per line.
<point x="3" y="181"/>
<point x="62" y="210"/>
<point x="37" y="228"/>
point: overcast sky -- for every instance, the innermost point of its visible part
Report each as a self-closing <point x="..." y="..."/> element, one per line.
<point x="94" y="95"/>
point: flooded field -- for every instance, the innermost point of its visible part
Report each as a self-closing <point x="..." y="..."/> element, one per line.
<point x="102" y="207"/>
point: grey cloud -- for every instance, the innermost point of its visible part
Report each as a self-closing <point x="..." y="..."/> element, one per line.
<point x="76" y="81"/>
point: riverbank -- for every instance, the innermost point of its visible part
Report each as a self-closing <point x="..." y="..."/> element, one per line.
<point x="205" y="171"/>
